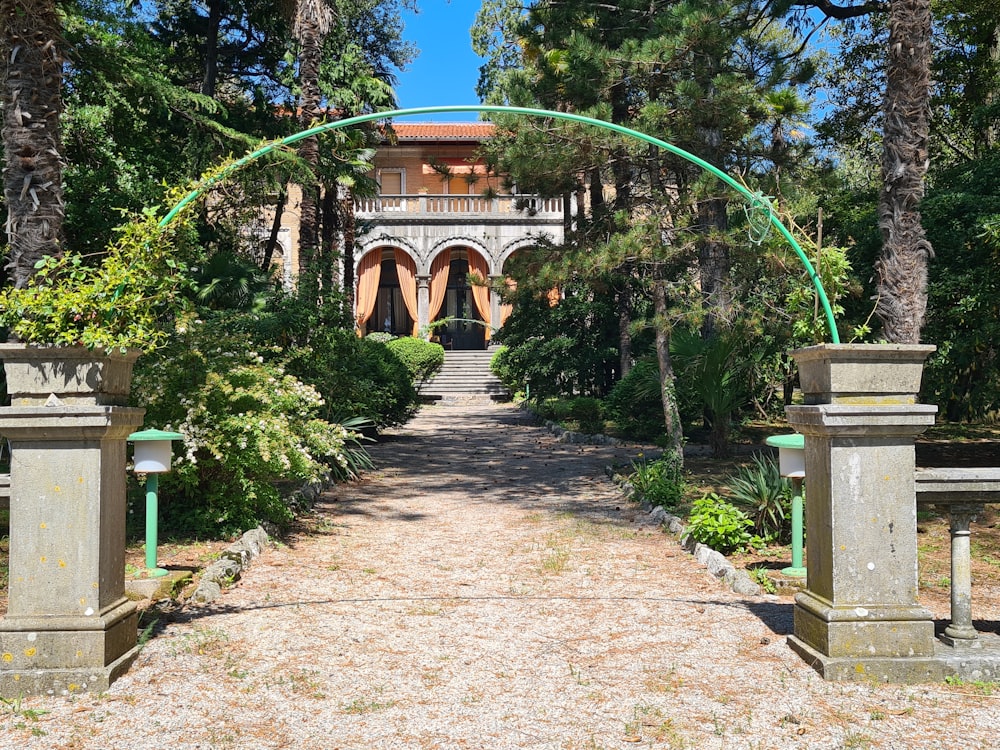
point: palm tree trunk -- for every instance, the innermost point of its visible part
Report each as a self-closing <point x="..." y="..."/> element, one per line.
<point x="312" y="23"/>
<point x="32" y="107"/>
<point x="902" y="266"/>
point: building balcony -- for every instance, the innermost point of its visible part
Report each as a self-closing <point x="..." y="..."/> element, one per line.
<point x="519" y="209"/>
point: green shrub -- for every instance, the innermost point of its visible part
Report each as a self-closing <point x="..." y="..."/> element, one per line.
<point x="357" y="377"/>
<point x="382" y="337"/>
<point x="503" y="366"/>
<point x="719" y="524"/>
<point x="248" y="426"/>
<point x="660" y="482"/>
<point x="761" y="491"/>
<point x="556" y="409"/>
<point x="422" y="358"/>
<point x="587" y="413"/>
<point x="635" y="403"/>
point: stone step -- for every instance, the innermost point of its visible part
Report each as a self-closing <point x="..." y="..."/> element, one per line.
<point x="465" y="373"/>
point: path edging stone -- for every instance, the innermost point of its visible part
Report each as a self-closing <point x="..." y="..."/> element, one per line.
<point x="230" y="566"/>
<point x="717" y="564"/>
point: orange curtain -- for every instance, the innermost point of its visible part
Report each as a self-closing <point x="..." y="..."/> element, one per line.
<point x="369" y="273"/>
<point x="553" y="296"/>
<point x="505" y="307"/>
<point x="481" y="292"/>
<point x="439" y="282"/>
<point x="406" y="270"/>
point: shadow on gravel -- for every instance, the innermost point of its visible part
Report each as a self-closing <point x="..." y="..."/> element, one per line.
<point x="493" y="455"/>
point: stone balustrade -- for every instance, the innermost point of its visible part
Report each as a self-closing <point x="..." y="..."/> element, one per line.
<point x="962" y="493"/>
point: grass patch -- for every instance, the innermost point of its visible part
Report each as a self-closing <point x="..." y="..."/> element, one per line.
<point x="366" y="705"/>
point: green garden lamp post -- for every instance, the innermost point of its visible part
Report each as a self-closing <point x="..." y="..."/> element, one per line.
<point x="152" y="458"/>
<point x="792" y="464"/>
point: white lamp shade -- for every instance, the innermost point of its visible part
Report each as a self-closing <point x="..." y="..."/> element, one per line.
<point x="792" y="462"/>
<point x="152" y="456"/>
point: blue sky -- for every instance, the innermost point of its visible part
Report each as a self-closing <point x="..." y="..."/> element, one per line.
<point x="446" y="69"/>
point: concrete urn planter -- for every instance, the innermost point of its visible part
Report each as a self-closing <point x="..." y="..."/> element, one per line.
<point x="861" y="374"/>
<point x="75" y="375"/>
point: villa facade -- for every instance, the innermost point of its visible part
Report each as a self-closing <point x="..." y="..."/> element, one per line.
<point x="435" y="242"/>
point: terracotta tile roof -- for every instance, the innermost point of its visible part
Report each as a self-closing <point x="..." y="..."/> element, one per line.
<point x="443" y="131"/>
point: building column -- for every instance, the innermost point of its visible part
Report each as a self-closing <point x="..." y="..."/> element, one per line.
<point x="960" y="632"/>
<point x="496" y="282"/>
<point x="423" y="303"/>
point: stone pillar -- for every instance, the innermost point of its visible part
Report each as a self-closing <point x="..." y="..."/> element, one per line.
<point x="859" y="611"/>
<point x="960" y="633"/>
<point x="68" y="626"/>
<point x="423" y="302"/>
<point x="496" y="282"/>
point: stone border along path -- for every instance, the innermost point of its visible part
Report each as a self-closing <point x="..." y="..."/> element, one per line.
<point x="487" y="587"/>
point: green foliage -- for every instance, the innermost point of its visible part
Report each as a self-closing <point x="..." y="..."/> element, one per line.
<point x="761" y="490"/>
<point x="660" y="482"/>
<point x="422" y="359"/>
<point x="715" y="372"/>
<point x="556" y="409"/>
<point x="587" y="413"/>
<point x="382" y="337"/>
<point x="248" y="425"/>
<point x="357" y="377"/>
<point x="129" y="300"/>
<point x="962" y="216"/>
<point x="761" y="578"/>
<point x="635" y="403"/>
<point x="719" y="524"/>
<point x="561" y="350"/>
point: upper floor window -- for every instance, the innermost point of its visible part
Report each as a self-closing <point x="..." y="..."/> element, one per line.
<point x="392" y="181"/>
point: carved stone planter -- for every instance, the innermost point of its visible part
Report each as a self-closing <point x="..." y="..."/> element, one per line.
<point x="862" y="374"/>
<point x="75" y="374"/>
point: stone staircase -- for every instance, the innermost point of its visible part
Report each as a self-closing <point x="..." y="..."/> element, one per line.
<point x="466" y="374"/>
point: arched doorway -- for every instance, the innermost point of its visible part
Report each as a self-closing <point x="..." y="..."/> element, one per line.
<point x="391" y="314"/>
<point x="464" y="314"/>
<point x="386" y="292"/>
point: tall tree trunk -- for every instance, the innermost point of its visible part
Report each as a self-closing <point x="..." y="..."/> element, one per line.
<point x="211" y="76"/>
<point x="32" y="107"/>
<point x="329" y="229"/>
<point x="713" y="264"/>
<point x="272" y="237"/>
<point x="347" y="253"/>
<point x="312" y="23"/>
<point x="671" y="416"/>
<point x="902" y="266"/>
<point x="624" y="305"/>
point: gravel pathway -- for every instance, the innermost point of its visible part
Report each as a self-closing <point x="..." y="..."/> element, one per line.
<point x="487" y="588"/>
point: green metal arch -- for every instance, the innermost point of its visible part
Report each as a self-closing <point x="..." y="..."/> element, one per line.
<point x="753" y="200"/>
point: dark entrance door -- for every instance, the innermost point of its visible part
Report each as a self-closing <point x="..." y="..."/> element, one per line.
<point x="459" y="307"/>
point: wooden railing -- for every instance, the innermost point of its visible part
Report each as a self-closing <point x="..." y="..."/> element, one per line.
<point x="522" y="206"/>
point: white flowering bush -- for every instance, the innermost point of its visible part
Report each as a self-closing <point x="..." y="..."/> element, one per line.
<point x="249" y="429"/>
